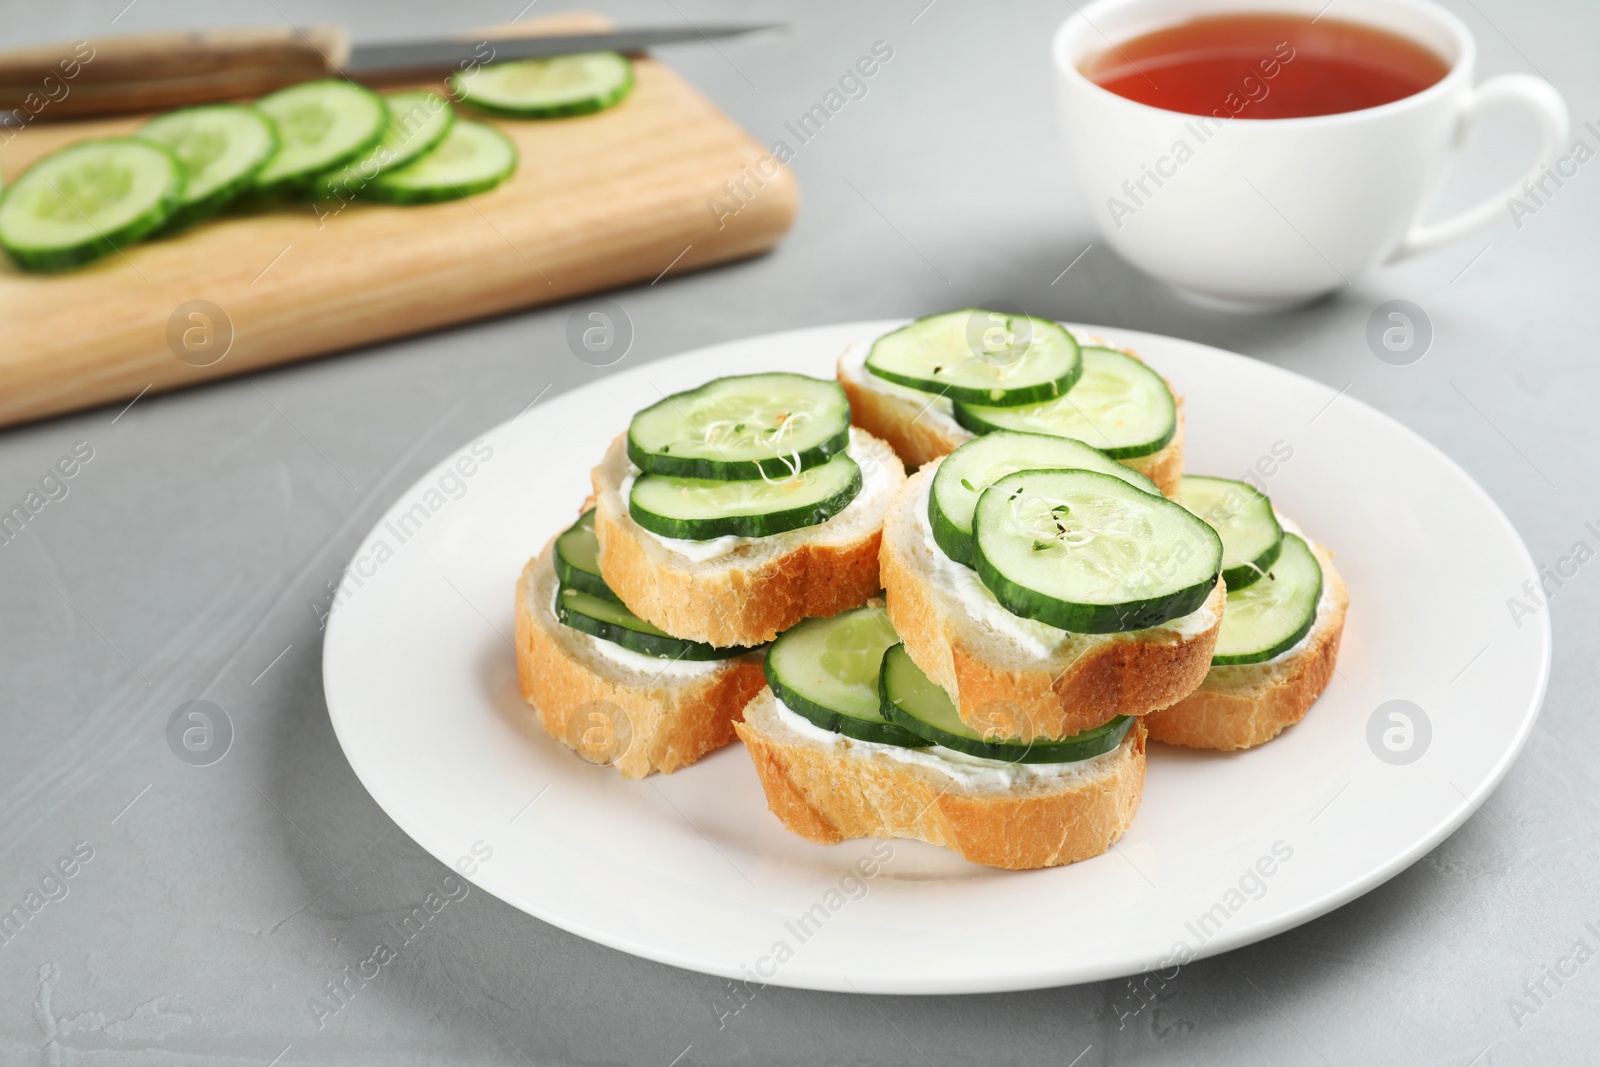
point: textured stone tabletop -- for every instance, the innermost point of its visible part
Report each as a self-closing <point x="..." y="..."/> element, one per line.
<point x="208" y="907"/>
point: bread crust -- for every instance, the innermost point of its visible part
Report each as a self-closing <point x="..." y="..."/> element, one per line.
<point x="1247" y="705"/>
<point x="830" y="794"/>
<point x="919" y="440"/>
<point x="1088" y="680"/>
<point x="642" y="723"/>
<point x="754" y="593"/>
<point x="897" y="420"/>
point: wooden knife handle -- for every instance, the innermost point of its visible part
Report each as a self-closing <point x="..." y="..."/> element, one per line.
<point x="148" y="72"/>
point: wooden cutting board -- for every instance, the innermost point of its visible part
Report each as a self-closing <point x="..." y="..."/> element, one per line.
<point x="600" y="201"/>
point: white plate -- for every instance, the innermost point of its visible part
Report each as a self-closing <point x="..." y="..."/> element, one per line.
<point x="691" y="869"/>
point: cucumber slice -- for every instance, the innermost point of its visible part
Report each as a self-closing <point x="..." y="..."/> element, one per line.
<point x="472" y="158"/>
<point x="610" y="621"/>
<point x="1272" y="615"/>
<point x="1119" y="406"/>
<point x="418" y="121"/>
<point x="1251" y="536"/>
<point x="698" y="509"/>
<point x="978" y="463"/>
<point x="88" y="200"/>
<point x="221" y="147"/>
<point x="910" y="699"/>
<point x="980" y="356"/>
<point x="546" y="88"/>
<point x="827" y="671"/>
<point x="745" y="426"/>
<point x="1089" y="553"/>
<point x="321" y="125"/>
<point x="577" y="558"/>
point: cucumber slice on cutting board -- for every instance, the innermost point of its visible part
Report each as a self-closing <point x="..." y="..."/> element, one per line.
<point x="1243" y="517"/>
<point x="1272" y="615"/>
<point x="577" y="559"/>
<point x="88" y="200"/>
<point x="321" y="125"/>
<point x="1119" y="406"/>
<point x="418" y="121"/>
<point x="745" y="426"/>
<point x="221" y="147"/>
<point x="558" y="87"/>
<point x="610" y="621"/>
<point x="968" y="470"/>
<point x="827" y="671"/>
<point x="698" y="509"/>
<point x="912" y="700"/>
<point x="472" y="158"/>
<point x="1089" y="553"/>
<point x="980" y="356"/>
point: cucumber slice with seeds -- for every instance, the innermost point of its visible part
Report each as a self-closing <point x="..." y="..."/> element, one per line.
<point x="826" y="670"/>
<point x="611" y="621"/>
<point x="321" y="125"/>
<point x="558" y="87"/>
<point x="418" y="121"/>
<point x="221" y="147"/>
<point x="1251" y="536"/>
<point x="1089" y="553"/>
<point x="698" y="509"/>
<point x="473" y="158"/>
<point x="968" y="470"/>
<point x="88" y="200"/>
<point x="1271" y="616"/>
<point x="912" y="700"/>
<point x="1119" y="406"/>
<point x="980" y="356"/>
<point x="740" y="427"/>
<point x="577" y="559"/>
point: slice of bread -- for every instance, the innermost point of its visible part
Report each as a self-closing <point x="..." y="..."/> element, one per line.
<point x="762" y="585"/>
<point x="612" y="706"/>
<point x="1249" y="704"/>
<point x="828" y="790"/>
<point x="1016" y="677"/>
<point x="922" y="429"/>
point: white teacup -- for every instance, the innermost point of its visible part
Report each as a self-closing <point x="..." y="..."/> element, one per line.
<point x="1262" y="213"/>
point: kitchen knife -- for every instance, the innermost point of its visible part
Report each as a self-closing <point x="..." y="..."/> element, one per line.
<point x="147" y="72"/>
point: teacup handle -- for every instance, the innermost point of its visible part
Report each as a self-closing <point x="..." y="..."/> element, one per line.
<point x="1539" y="97"/>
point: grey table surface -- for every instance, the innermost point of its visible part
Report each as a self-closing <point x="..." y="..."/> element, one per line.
<point x="186" y="557"/>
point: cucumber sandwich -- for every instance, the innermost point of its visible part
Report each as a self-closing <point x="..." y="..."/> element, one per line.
<point x="1279" y="642"/>
<point x="1034" y="578"/>
<point x="942" y="380"/>
<point x="729" y="512"/>
<point x="851" y="739"/>
<point x="611" y="686"/>
<point x="724" y="515"/>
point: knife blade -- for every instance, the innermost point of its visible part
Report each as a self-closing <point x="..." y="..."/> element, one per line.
<point x="439" y="54"/>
